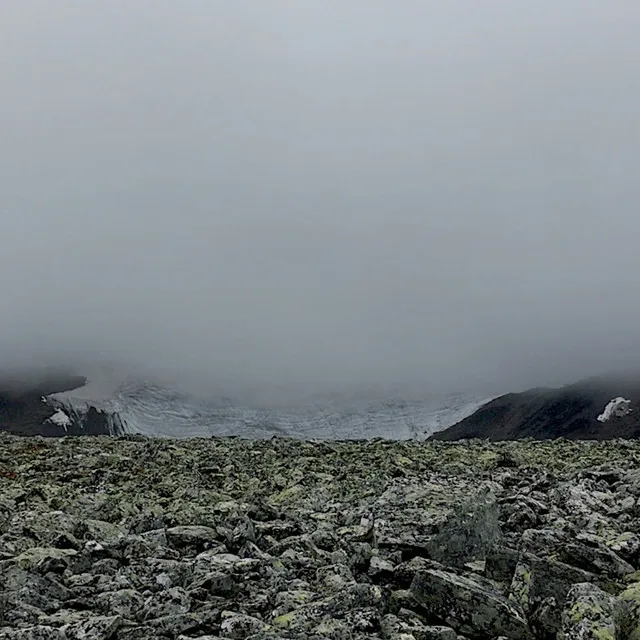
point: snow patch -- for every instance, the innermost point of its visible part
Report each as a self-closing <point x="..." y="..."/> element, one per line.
<point x="61" y="419"/>
<point x="617" y="408"/>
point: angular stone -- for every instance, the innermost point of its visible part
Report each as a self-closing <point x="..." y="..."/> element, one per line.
<point x="380" y="570"/>
<point x="167" y="573"/>
<point x="392" y="626"/>
<point x="37" y="632"/>
<point x="405" y="572"/>
<point x="551" y="578"/>
<point x="44" y="592"/>
<point x="500" y="563"/>
<point x="99" y="530"/>
<point x="361" y="620"/>
<point x="216" y="583"/>
<point x="169" y="602"/>
<point x="520" y="588"/>
<point x="628" y="613"/>
<point x="627" y="546"/>
<point x="436" y="633"/>
<point x="65" y="617"/>
<point x="406" y="512"/>
<point x="590" y="554"/>
<point x="174" y="624"/>
<point x="355" y="597"/>
<point x="287" y="601"/>
<point x="127" y="603"/>
<point x="138" y="632"/>
<point x="588" y="614"/>
<point x="238" y="626"/>
<point x="226" y="562"/>
<point x="468" y="606"/>
<point x="98" y="628"/>
<point x="400" y="599"/>
<point x="192" y="537"/>
<point x="538" y="580"/>
<point x="46" y="557"/>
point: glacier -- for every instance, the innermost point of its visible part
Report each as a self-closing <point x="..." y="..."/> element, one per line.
<point x="148" y="408"/>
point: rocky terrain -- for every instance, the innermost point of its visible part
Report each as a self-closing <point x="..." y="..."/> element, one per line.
<point x="132" y="539"/>
<point x="568" y="412"/>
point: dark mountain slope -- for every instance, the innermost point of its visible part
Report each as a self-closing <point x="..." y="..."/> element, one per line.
<point x="23" y="411"/>
<point x="569" y="412"/>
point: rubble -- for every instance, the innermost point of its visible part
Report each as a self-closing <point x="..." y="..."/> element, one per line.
<point x="131" y="538"/>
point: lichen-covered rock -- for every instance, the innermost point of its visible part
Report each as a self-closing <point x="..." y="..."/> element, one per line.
<point x="539" y="578"/>
<point x="627" y="614"/>
<point x="588" y="614"/>
<point x="238" y="626"/>
<point x="290" y="600"/>
<point x="168" y="602"/>
<point x="22" y="587"/>
<point x="360" y="603"/>
<point x="627" y="546"/>
<point x="36" y="632"/>
<point x="280" y="539"/>
<point x="43" y="559"/>
<point x="437" y="633"/>
<point x="192" y="537"/>
<point x="472" y="608"/>
<point x="405" y="572"/>
<point x="500" y="563"/>
<point x="590" y="553"/>
<point x="98" y="628"/>
<point x="380" y="570"/>
<point x="127" y="603"/>
<point x="215" y="583"/>
<point x="392" y="627"/>
<point x="520" y="589"/>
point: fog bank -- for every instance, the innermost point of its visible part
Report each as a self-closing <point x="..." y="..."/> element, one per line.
<point x="321" y="195"/>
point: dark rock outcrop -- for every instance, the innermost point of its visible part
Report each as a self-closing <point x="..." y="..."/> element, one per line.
<point x="569" y="412"/>
<point x="26" y="409"/>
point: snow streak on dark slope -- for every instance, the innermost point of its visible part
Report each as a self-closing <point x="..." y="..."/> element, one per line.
<point x="147" y="408"/>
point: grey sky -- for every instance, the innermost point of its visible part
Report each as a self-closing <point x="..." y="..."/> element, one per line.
<point x="323" y="192"/>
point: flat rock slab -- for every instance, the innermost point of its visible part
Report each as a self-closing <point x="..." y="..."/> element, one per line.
<point x="469" y="606"/>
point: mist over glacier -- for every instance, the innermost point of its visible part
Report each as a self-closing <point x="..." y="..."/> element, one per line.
<point x="281" y="201"/>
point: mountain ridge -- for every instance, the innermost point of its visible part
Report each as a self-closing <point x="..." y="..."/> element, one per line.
<point x="546" y="413"/>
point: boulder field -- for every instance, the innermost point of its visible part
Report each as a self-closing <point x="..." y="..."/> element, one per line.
<point x="134" y="539"/>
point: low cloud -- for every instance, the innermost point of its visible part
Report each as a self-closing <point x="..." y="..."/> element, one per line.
<point x="322" y="195"/>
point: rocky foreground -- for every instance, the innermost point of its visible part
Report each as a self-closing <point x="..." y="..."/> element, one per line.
<point x="135" y="539"/>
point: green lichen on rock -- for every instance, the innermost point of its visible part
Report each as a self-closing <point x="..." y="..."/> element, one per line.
<point x="468" y="605"/>
<point x="589" y="613"/>
<point x="520" y="590"/>
<point x="141" y="538"/>
<point x="628" y="613"/>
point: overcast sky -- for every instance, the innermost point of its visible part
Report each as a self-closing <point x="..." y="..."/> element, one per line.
<point x="323" y="192"/>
